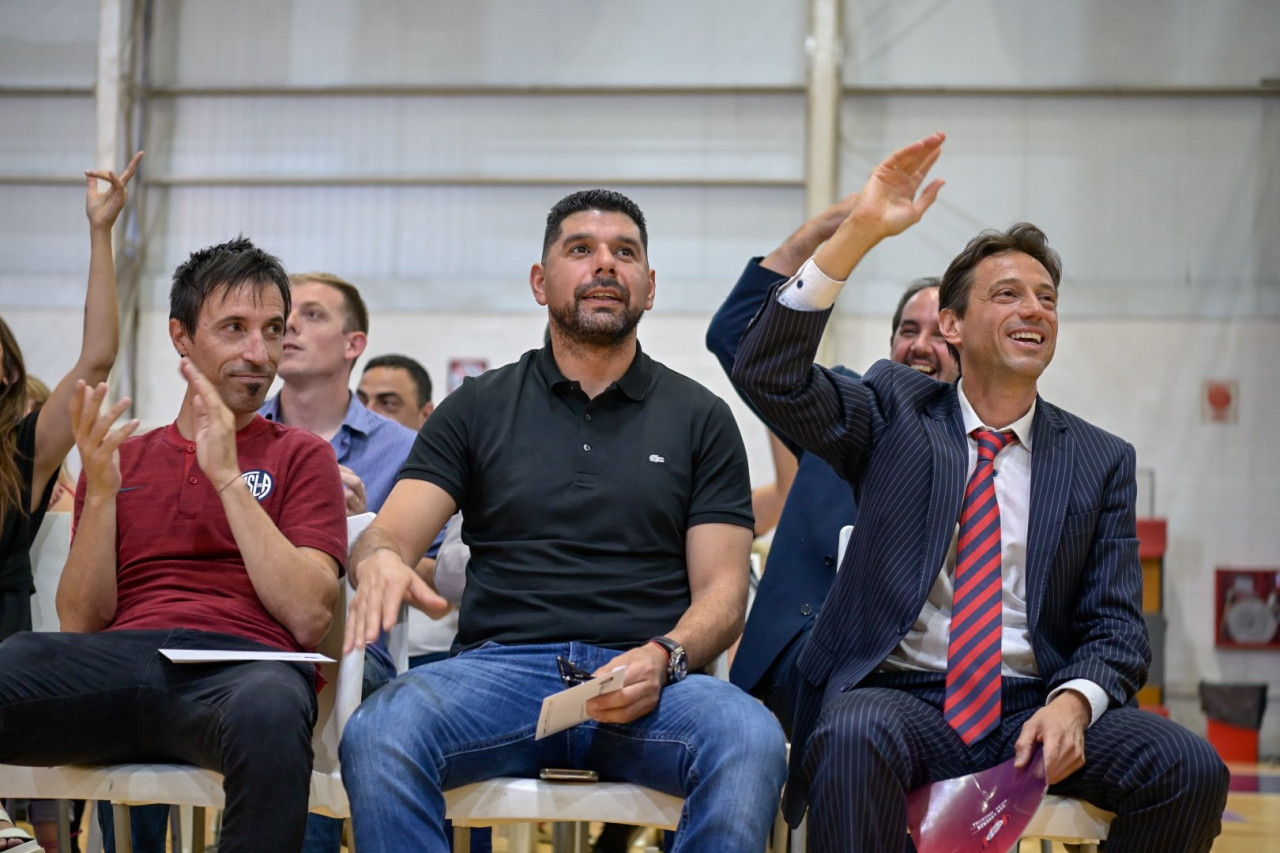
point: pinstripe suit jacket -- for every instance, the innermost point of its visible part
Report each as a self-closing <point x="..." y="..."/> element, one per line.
<point x="802" y="557"/>
<point x="898" y="437"/>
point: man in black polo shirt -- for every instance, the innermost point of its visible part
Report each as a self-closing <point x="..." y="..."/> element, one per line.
<point x="606" y="502"/>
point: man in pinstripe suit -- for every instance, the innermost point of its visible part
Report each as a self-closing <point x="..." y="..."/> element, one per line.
<point x="1073" y="648"/>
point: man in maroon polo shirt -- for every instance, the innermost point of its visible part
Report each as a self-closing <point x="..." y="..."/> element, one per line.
<point x="219" y="531"/>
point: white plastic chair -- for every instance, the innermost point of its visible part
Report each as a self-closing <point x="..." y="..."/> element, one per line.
<point x="182" y="785"/>
<point x="49" y="553"/>
<point x="1069" y="821"/>
<point x="510" y="800"/>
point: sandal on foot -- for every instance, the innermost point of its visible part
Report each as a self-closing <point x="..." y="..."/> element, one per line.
<point x="13" y="833"/>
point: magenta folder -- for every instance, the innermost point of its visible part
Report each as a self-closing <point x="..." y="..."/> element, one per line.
<point x="984" y="812"/>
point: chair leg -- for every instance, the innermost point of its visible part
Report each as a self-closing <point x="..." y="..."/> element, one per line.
<point x="64" y="824"/>
<point x="349" y="835"/>
<point x="800" y="836"/>
<point x="461" y="839"/>
<point x="197" y="830"/>
<point x="521" y="837"/>
<point x="183" y="834"/>
<point x="779" y="842"/>
<point x="93" y="833"/>
<point x="124" y="828"/>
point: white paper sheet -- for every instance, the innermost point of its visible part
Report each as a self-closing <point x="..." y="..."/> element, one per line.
<point x="218" y="656"/>
<point x="569" y="707"/>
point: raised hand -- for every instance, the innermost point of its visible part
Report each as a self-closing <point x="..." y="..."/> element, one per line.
<point x="353" y="488"/>
<point x="215" y="429"/>
<point x="98" y="443"/>
<point x="892" y="201"/>
<point x="102" y="207"/>
<point x="889" y="203"/>
<point x="825" y="223"/>
<point x="801" y="245"/>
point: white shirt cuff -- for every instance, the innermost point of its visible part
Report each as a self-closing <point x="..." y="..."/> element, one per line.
<point x="1098" y="698"/>
<point x="810" y="289"/>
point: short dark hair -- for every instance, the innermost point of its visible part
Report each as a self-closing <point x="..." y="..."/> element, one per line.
<point x="912" y="289"/>
<point x="957" y="281"/>
<point x="357" y="314"/>
<point x="421" y="378"/>
<point x="218" y="269"/>
<point x="597" y="199"/>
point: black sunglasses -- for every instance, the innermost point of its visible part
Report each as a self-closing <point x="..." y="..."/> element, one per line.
<point x="571" y="673"/>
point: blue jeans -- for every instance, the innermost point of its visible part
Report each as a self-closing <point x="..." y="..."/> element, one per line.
<point x="473" y="717"/>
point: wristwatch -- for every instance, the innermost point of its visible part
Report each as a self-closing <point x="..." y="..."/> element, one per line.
<point x="677" y="659"/>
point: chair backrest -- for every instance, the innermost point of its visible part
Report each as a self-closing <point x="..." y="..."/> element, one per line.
<point x="845" y="533"/>
<point x="48" y="557"/>
<point x="327" y="732"/>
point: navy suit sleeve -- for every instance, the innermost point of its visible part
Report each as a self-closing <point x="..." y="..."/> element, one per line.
<point x="1112" y="647"/>
<point x="728" y="324"/>
<point x="742" y="303"/>
<point x="824" y="411"/>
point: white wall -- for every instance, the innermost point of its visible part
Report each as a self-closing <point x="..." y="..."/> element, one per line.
<point x="1164" y="207"/>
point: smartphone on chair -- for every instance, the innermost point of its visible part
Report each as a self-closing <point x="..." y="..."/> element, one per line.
<point x="567" y="774"/>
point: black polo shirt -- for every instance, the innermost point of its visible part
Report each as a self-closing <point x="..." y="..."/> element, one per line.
<point x="576" y="510"/>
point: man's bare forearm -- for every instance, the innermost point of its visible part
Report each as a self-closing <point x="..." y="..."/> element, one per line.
<point x="86" y="598"/>
<point x="711" y="625"/>
<point x="374" y="539"/>
<point x="296" y="588"/>
<point x="718" y="557"/>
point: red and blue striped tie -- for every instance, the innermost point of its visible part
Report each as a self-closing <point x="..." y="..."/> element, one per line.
<point x="972" y="705"/>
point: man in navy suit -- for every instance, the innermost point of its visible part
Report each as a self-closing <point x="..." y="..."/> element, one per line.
<point x="874" y="717"/>
<point x="802" y="557"/>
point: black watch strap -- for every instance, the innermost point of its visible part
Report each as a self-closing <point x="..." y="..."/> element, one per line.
<point x="668" y="645"/>
<point x="677" y="660"/>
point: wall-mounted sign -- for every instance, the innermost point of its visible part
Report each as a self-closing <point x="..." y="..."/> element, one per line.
<point x="461" y="368"/>
<point x="1248" y="609"/>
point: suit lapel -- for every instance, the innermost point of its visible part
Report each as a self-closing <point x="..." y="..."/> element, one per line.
<point x="1051" y="465"/>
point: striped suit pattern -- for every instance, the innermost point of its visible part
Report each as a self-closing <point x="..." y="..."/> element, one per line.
<point x="897" y="436"/>
<point x="802" y="558"/>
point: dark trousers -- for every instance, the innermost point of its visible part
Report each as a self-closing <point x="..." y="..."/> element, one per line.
<point x="779" y="687"/>
<point x="887" y="736"/>
<point x="112" y="698"/>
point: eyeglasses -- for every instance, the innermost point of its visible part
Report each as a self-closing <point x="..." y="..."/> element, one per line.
<point x="571" y="673"/>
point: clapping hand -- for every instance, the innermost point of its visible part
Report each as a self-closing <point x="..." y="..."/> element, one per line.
<point x="98" y="443"/>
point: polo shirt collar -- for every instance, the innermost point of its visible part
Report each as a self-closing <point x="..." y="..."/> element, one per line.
<point x="634" y="384"/>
